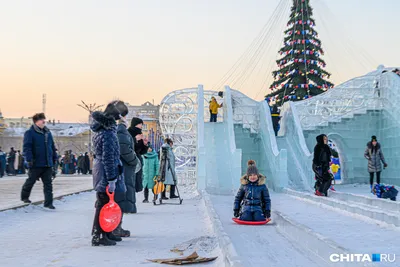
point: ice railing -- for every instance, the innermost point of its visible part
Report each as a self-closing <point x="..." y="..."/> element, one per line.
<point x="353" y="97"/>
<point x="179" y="112"/>
<point x="200" y="156"/>
<point x="390" y="92"/>
<point x="245" y="111"/>
<point x="275" y="159"/>
<point x="235" y="154"/>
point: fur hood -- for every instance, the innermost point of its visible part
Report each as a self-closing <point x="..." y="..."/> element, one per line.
<point x="369" y="145"/>
<point x="101" y="121"/>
<point x="261" y="179"/>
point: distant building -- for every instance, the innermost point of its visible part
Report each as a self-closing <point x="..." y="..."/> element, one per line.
<point x="18" y="122"/>
<point x="67" y="136"/>
<point x="2" y="123"/>
<point x="149" y="113"/>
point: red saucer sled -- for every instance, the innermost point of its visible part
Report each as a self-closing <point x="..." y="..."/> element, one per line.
<point x="250" y="223"/>
<point x="110" y="214"/>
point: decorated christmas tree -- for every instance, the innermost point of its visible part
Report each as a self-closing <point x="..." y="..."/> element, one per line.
<point x="300" y="74"/>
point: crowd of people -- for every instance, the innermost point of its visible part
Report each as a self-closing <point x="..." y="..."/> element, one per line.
<point x="12" y="163"/>
<point x="123" y="162"/>
<point x="70" y="164"/>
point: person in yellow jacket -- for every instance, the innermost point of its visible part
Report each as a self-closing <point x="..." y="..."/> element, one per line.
<point x="214" y="106"/>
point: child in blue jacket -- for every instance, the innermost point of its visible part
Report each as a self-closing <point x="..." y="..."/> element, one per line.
<point x="252" y="202"/>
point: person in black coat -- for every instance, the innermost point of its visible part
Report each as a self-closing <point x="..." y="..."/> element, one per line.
<point x="40" y="154"/>
<point x="141" y="147"/>
<point x="86" y="163"/>
<point x="129" y="160"/>
<point x="11" y="161"/>
<point x="275" y="115"/>
<point x="321" y="166"/>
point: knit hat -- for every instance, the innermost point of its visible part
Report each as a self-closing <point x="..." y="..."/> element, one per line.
<point x="373" y="138"/>
<point x="251" y="168"/>
<point x="135" y="121"/>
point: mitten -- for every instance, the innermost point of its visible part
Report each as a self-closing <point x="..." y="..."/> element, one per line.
<point x="236" y="213"/>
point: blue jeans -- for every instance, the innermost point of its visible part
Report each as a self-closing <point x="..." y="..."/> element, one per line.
<point x="254" y="216"/>
<point x="213" y="117"/>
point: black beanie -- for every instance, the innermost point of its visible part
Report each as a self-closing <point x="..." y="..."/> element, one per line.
<point x="373" y="138"/>
<point x="135" y="121"/>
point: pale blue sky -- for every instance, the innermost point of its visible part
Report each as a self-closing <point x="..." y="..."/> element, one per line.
<point x="141" y="50"/>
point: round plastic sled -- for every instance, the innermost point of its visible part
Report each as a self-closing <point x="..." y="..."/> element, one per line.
<point x="250" y="223"/>
<point x="110" y="214"/>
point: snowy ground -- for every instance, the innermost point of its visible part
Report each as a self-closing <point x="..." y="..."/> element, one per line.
<point x="62" y="185"/>
<point x="358" y="189"/>
<point x="32" y="236"/>
<point x="259" y="245"/>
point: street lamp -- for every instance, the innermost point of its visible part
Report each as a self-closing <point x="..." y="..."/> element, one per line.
<point x="90" y="108"/>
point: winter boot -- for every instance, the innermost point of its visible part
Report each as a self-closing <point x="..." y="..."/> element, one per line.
<point x="50" y="207"/>
<point x="317" y="193"/>
<point x="119" y="232"/>
<point x="163" y="196"/>
<point x="146" y="195"/>
<point x="27" y="201"/>
<point x="172" y="192"/>
<point x="113" y="237"/>
<point x="102" y="240"/>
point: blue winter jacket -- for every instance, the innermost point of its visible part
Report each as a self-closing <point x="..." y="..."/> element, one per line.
<point x="255" y="196"/>
<point x="39" y="148"/>
<point x="107" y="165"/>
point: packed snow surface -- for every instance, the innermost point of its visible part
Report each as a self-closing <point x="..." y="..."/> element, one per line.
<point x="32" y="236"/>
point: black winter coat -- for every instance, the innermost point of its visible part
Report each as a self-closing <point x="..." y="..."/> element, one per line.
<point x="129" y="159"/>
<point x="322" y="154"/>
<point x="140" y="149"/>
<point x="255" y="196"/>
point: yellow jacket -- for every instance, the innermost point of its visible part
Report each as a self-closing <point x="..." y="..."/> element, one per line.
<point x="214" y="106"/>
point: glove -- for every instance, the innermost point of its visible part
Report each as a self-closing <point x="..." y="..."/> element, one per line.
<point x="54" y="174"/>
<point x="112" y="185"/>
<point x="385" y="165"/>
<point x="267" y="214"/>
<point x="236" y="213"/>
<point x="29" y="164"/>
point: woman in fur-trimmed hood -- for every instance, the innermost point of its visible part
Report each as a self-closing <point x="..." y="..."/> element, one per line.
<point x="252" y="202"/>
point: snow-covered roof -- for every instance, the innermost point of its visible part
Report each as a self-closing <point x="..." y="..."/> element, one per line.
<point x="72" y="131"/>
<point x="68" y="131"/>
<point x="19" y="131"/>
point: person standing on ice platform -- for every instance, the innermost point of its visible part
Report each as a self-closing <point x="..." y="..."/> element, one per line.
<point x="321" y="166"/>
<point x="107" y="166"/>
<point x="170" y="174"/>
<point x="214" y="106"/>
<point x="252" y="201"/>
<point x="40" y="155"/>
<point x="374" y="155"/>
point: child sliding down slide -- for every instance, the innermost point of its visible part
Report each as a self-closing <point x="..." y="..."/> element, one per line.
<point x="252" y="202"/>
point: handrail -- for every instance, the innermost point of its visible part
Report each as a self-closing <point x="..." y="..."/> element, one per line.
<point x="299" y="130"/>
<point x="228" y="118"/>
<point x="267" y="112"/>
<point x="200" y="161"/>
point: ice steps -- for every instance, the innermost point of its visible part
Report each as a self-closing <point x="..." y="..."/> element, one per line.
<point x="363" y="209"/>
